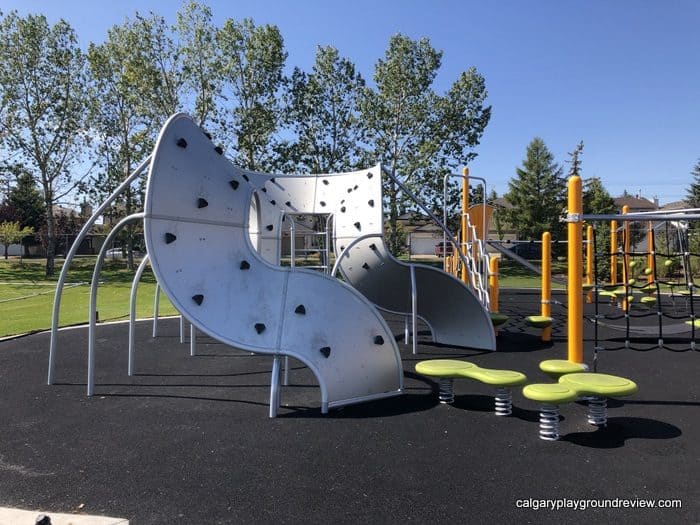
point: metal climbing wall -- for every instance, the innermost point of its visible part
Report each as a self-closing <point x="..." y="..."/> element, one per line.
<point x="200" y="229"/>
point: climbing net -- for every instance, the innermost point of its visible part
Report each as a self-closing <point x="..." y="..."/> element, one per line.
<point x="646" y="284"/>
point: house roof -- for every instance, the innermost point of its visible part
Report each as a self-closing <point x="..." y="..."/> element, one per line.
<point x="634" y="203"/>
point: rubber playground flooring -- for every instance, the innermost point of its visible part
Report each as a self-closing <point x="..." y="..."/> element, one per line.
<point x="188" y="439"/>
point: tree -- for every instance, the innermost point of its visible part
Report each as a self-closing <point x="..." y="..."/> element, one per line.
<point x="125" y="76"/>
<point x="201" y="59"/>
<point x="537" y="194"/>
<point x="43" y="83"/>
<point x="417" y="134"/>
<point x="692" y="195"/>
<point x="27" y="200"/>
<point x="322" y="112"/>
<point x="12" y="233"/>
<point x="597" y="201"/>
<point x="252" y="62"/>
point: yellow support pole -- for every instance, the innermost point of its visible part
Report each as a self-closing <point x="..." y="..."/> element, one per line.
<point x="575" y="259"/>
<point x="613" y="252"/>
<point x="589" y="263"/>
<point x="546" y="308"/>
<point x="465" y="212"/>
<point x="625" y="257"/>
<point x="493" y="283"/>
<point x="651" y="262"/>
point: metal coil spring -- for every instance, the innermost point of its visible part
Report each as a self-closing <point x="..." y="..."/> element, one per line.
<point x="598" y="411"/>
<point x="504" y="402"/>
<point x="549" y="422"/>
<point x="446" y="394"/>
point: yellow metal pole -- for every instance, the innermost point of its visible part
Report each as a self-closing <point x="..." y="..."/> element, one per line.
<point x="465" y="212"/>
<point x="613" y="252"/>
<point x="493" y="283"/>
<point x="575" y="258"/>
<point x="546" y="308"/>
<point x="589" y="263"/>
<point x="650" y="256"/>
<point x="626" y="257"/>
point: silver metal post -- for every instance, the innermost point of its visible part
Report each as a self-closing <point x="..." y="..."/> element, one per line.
<point x="414" y="309"/>
<point x="275" y="386"/>
<point x="71" y="253"/>
<point x="182" y="329"/>
<point x="156" y="307"/>
<point x="132" y="314"/>
<point x="193" y="340"/>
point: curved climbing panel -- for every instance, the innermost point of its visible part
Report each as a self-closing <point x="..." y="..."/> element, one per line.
<point x="199" y="213"/>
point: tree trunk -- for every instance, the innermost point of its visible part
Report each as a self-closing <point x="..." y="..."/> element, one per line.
<point x="6" y="248"/>
<point x="393" y="217"/>
<point x="50" y="240"/>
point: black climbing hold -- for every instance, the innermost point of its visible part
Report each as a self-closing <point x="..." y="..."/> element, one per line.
<point x="358" y="226"/>
<point x="246" y="178"/>
<point x="181" y="143"/>
<point x="342" y="209"/>
<point x="234" y="184"/>
<point x="373" y="247"/>
<point x="272" y="180"/>
<point x="342" y="248"/>
<point x="284" y="218"/>
<point x="365" y="266"/>
<point x="43" y="519"/>
<point x="326" y="351"/>
<point x="245" y="265"/>
<point x="259" y="327"/>
<point x="198" y="298"/>
<point x="273" y="202"/>
<point x="325" y="182"/>
<point x="356" y="186"/>
<point x="371" y="202"/>
<point x="370" y="175"/>
<point x="269" y="227"/>
<point x="219" y="150"/>
<point x="264" y="190"/>
<point x="301" y="310"/>
<point x="202" y="203"/>
<point x="322" y="203"/>
<point x="207" y="134"/>
<point x="342" y="202"/>
<point x="378" y="340"/>
<point x="349" y="190"/>
<point x="169" y="237"/>
<point x="288" y="204"/>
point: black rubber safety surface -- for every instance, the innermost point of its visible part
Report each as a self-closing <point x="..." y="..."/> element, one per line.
<point x="188" y="439"/>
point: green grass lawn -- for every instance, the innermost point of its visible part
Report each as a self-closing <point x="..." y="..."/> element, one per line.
<point x="26" y="296"/>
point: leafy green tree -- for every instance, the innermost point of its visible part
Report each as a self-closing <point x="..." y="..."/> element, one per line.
<point x="43" y="85"/>
<point x="322" y="112"/>
<point x="201" y="59"/>
<point x="537" y="194"/>
<point x="124" y="76"/>
<point x="692" y="195"/>
<point x="417" y="134"/>
<point x="252" y="65"/>
<point x="597" y="201"/>
<point x="12" y="233"/>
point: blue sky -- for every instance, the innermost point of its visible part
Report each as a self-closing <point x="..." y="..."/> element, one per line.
<point x="622" y="76"/>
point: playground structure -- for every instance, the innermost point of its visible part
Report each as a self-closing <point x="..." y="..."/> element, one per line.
<point x="213" y="235"/>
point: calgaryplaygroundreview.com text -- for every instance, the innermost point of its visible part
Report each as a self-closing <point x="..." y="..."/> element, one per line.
<point x="586" y="504"/>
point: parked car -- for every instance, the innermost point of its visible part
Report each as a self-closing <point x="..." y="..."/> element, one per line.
<point x="443" y="248"/>
<point x="119" y="253"/>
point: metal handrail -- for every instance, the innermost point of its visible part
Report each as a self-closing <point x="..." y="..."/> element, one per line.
<point x="69" y="258"/>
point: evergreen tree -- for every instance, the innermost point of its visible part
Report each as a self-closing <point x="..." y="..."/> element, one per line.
<point x="26" y="198"/>
<point x="537" y="194"/>
<point x="692" y="195"/>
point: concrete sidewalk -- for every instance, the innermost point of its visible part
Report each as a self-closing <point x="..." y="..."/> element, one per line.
<point x="9" y="516"/>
